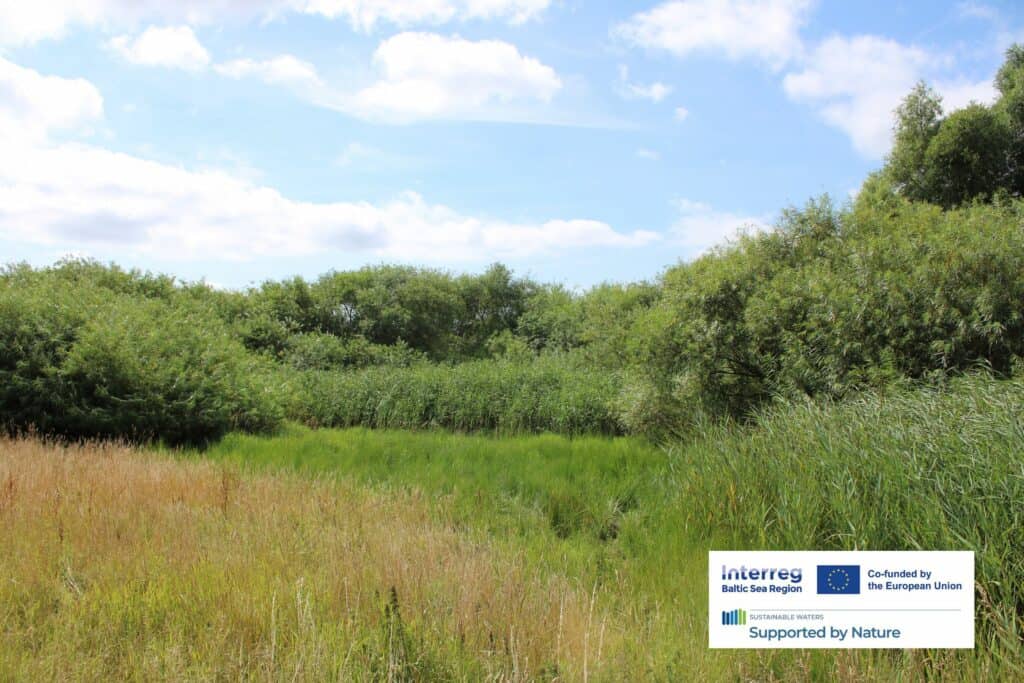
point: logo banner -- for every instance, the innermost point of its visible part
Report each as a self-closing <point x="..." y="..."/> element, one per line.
<point x="835" y="599"/>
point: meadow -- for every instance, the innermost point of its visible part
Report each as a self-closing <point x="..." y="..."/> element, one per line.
<point x="396" y="555"/>
<point x="400" y="473"/>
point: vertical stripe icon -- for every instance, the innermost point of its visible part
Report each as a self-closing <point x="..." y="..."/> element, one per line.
<point x="736" y="617"/>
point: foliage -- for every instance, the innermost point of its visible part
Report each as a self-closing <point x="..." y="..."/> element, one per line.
<point x="900" y="468"/>
<point x="835" y="301"/>
<point x="829" y="302"/>
<point x="935" y="468"/>
<point x="976" y="153"/>
<point x="82" y="360"/>
<point x="551" y="393"/>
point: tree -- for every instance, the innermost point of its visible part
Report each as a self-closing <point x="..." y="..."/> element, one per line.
<point x="975" y="153"/>
<point x="1007" y="78"/>
<point x="918" y="120"/>
<point x="1010" y="83"/>
<point x="967" y="157"/>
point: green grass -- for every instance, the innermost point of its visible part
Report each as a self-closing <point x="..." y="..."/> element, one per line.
<point x="549" y="393"/>
<point x="365" y="555"/>
<point x="928" y="469"/>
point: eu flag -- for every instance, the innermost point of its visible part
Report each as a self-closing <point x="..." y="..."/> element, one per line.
<point x="838" y="579"/>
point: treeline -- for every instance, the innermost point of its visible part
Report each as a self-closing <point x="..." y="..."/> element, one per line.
<point x="897" y="285"/>
<point x="829" y="302"/>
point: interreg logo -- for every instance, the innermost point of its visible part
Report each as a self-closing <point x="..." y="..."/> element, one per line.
<point x="736" y="617"/>
<point x="838" y="579"/>
<point x="744" y="573"/>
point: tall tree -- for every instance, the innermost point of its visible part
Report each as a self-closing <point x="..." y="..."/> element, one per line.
<point x="918" y="120"/>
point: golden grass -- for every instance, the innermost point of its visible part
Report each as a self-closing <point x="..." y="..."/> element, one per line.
<point x="115" y="564"/>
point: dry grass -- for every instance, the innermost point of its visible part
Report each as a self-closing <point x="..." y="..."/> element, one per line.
<point x="116" y="564"/>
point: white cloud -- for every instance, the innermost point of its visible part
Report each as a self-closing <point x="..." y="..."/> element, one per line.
<point x="700" y="227"/>
<point x="857" y="83"/>
<point x="649" y="154"/>
<point x="420" y="76"/>
<point x="766" y="30"/>
<point x="655" y="92"/>
<point x="32" y="105"/>
<point x="957" y="94"/>
<point x="284" y="70"/>
<point x="170" y="46"/>
<point x="366" y="14"/>
<point x="92" y="198"/>
<point x="428" y="75"/>
<point x="681" y="114"/>
<point x="83" y="197"/>
<point x="29" y="22"/>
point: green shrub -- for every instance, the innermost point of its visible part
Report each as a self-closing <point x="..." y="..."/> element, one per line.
<point x="832" y="302"/>
<point x="549" y="393"/>
<point x="318" y="351"/>
<point x="82" y="361"/>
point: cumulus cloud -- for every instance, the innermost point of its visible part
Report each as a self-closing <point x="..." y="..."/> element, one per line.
<point x="90" y="198"/>
<point x="959" y="93"/>
<point x="33" y="105"/>
<point x="420" y="76"/>
<point x="78" y="196"/>
<point x="427" y="75"/>
<point x="857" y="83"/>
<point x="655" y="92"/>
<point x="764" y="30"/>
<point x="366" y="14"/>
<point x="284" y="70"/>
<point x="170" y="46"/>
<point x="681" y="114"/>
<point x="29" y="22"/>
<point x="699" y="226"/>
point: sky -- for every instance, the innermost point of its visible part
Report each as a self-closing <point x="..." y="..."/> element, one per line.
<point x="579" y="142"/>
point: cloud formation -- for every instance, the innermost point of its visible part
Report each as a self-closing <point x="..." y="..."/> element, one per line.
<point x="428" y="75"/>
<point x="655" y="92"/>
<point x="854" y="82"/>
<point x="286" y="70"/>
<point x="420" y="76"/>
<point x="171" y="46"/>
<point x="80" y="196"/>
<point x="764" y="30"/>
<point x="857" y="83"/>
<point x="33" y="105"/>
<point x="24" y="23"/>
<point x="365" y="15"/>
<point x="699" y="226"/>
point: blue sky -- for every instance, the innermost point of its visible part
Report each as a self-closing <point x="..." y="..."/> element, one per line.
<point x="238" y="140"/>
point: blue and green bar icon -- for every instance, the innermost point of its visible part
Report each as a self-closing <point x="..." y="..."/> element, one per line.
<point x="736" y="617"/>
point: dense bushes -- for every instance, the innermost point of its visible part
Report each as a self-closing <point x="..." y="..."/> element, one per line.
<point x="830" y="302"/>
<point x="82" y="360"/>
<point x="834" y="301"/>
<point x="551" y="393"/>
<point x="433" y="313"/>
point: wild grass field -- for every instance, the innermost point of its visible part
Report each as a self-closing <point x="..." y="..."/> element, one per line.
<point x="401" y="473"/>
<point x="387" y="555"/>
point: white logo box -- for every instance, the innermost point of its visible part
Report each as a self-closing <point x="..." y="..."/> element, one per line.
<point x="841" y="599"/>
